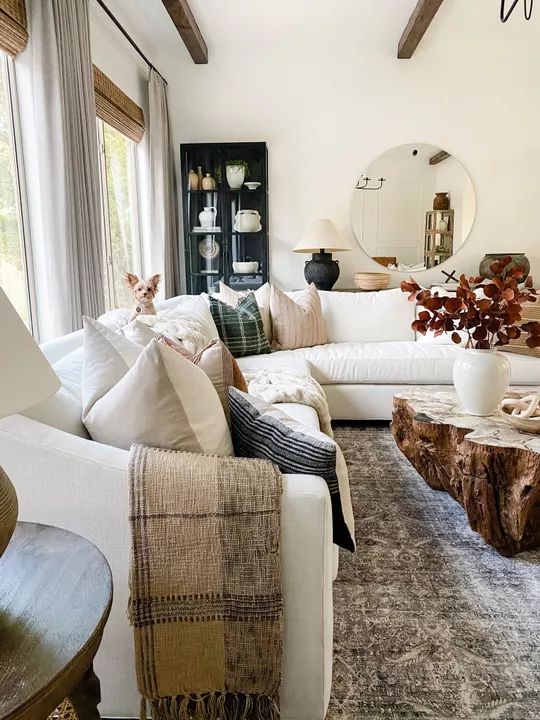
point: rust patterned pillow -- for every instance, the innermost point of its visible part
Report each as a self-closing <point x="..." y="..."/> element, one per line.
<point x="218" y="363"/>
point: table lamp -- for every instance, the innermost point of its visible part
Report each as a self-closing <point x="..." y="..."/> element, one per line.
<point x="321" y="239"/>
<point x="26" y="379"/>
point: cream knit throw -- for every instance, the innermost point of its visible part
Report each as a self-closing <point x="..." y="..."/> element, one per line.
<point x="205" y="581"/>
<point x="283" y="385"/>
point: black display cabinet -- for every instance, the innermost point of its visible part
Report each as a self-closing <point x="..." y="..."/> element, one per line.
<point x="235" y="229"/>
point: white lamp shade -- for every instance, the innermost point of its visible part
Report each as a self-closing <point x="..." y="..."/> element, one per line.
<point x="322" y="234"/>
<point x="26" y="378"/>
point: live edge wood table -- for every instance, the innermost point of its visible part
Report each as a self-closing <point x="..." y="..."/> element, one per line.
<point x="490" y="468"/>
<point x="55" y="597"/>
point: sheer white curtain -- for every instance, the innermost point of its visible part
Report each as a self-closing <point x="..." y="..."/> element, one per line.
<point x="163" y="251"/>
<point x="64" y="186"/>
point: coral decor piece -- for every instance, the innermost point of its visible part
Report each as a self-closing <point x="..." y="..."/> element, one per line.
<point x="487" y="313"/>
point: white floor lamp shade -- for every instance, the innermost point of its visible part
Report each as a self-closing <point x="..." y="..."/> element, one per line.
<point x="26" y="379"/>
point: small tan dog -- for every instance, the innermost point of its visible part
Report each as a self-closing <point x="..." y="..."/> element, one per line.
<point x="144" y="292"/>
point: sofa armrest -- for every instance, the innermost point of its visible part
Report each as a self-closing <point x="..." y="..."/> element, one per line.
<point x="81" y="485"/>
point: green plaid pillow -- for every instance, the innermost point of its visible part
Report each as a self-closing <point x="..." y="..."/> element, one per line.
<point x="240" y="327"/>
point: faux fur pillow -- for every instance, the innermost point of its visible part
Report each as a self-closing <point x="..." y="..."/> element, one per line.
<point x="296" y="323"/>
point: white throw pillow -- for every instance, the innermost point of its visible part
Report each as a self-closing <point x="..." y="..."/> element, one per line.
<point x="164" y="401"/>
<point x="107" y="356"/>
<point x="190" y="330"/>
<point x="63" y="409"/>
<point x="138" y="332"/>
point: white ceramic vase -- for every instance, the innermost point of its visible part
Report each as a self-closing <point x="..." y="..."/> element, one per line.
<point x="207" y="217"/>
<point x="481" y="378"/>
<point x="235" y="176"/>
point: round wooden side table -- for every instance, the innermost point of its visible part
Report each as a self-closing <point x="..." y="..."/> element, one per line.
<point x="55" y="598"/>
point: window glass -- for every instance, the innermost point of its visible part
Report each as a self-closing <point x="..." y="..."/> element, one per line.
<point x="13" y="275"/>
<point x="120" y="212"/>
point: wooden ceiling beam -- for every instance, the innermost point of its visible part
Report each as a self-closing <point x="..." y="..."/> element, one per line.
<point x="439" y="157"/>
<point x="187" y="27"/>
<point x="420" y="20"/>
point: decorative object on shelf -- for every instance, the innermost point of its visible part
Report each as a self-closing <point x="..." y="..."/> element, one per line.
<point x="442" y="225"/>
<point x="252" y="185"/>
<point x="208" y="182"/>
<point x="236" y="171"/>
<point x="522" y="410"/>
<point x="321" y="239"/>
<point x="245" y="266"/>
<point x="247" y="221"/>
<point x="207" y="217"/>
<point x="363" y="183"/>
<point x="209" y="248"/>
<point x="193" y="180"/>
<point x="527" y="9"/>
<point x="441" y="201"/>
<point x="199" y="177"/>
<point x="371" y="280"/>
<point x="27" y="380"/>
<point x="519" y="260"/>
<point x="486" y="322"/>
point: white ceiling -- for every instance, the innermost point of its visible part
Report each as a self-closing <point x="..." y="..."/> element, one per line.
<point x="230" y="24"/>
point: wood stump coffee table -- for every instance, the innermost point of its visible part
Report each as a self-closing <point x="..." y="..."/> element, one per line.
<point x="491" y="468"/>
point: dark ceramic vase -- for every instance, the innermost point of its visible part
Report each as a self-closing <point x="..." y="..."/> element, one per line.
<point x="441" y="201"/>
<point x="519" y="260"/>
<point x="322" y="271"/>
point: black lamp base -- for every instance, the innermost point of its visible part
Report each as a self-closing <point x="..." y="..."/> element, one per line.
<point x="322" y="270"/>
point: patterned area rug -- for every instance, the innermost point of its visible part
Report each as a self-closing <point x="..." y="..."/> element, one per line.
<point x="430" y="622"/>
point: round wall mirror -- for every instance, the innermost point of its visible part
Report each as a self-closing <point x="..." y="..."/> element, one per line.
<point x="413" y="207"/>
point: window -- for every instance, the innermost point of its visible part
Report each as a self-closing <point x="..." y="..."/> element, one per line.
<point x="121" y="241"/>
<point x="13" y="266"/>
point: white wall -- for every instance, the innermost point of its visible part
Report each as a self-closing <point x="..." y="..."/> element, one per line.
<point x="320" y="82"/>
<point x="328" y="102"/>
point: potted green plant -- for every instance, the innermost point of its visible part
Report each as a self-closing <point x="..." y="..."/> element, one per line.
<point x="237" y="171"/>
<point x="483" y="317"/>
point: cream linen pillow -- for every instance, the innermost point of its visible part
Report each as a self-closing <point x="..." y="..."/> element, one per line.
<point x="262" y="296"/>
<point x="163" y="401"/>
<point x="218" y="363"/>
<point x="296" y="323"/>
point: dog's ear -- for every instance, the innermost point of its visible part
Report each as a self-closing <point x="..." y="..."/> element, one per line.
<point x="130" y="279"/>
<point x="154" y="280"/>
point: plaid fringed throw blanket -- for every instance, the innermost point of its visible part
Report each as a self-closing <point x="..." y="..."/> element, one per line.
<point x="205" y="578"/>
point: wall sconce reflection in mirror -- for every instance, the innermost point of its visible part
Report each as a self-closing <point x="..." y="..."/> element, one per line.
<point x="366" y="186"/>
<point x="527" y="8"/>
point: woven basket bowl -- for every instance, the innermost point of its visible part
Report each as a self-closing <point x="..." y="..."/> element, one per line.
<point x="371" y="280"/>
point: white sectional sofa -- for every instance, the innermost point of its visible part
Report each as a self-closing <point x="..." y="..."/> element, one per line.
<point x="64" y="478"/>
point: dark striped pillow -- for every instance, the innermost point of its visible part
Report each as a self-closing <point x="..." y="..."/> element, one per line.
<point x="260" y="430"/>
<point x="240" y="327"/>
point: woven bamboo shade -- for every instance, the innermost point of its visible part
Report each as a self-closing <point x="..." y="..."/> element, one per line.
<point x="13" y="32"/>
<point x="115" y="108"/>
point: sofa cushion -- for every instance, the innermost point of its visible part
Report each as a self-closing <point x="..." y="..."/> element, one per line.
<point x="405" y="363"/>
<point x="165" y="401"/>
<point x="367" y="316"/>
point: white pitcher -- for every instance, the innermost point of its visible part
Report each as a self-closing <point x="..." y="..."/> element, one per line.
<point x="207" y="217"/>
